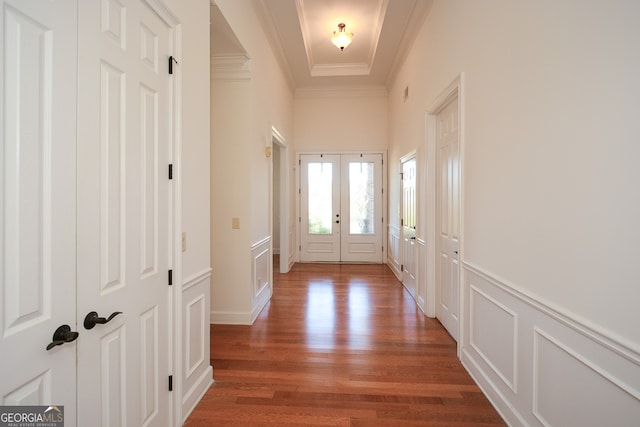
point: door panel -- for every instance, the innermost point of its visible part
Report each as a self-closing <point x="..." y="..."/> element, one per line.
<point x="361" y="206"/>
<point x="124" y="228"/>
<point x="448" y="187"/>
<point x="409" y="219"/>
<point x="37" y="202"/>
<point x="320" y="208"/>
<point x="341" y="208"/>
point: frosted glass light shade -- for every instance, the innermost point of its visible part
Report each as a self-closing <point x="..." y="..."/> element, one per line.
<point x="340" y="38"/>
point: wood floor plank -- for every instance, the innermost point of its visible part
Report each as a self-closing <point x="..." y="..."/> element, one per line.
<point x="339" y="345"/>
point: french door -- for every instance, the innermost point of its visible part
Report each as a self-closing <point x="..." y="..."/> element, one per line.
<point x="341" y="208"/>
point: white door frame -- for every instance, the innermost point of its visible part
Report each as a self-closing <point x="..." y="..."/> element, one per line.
<point x="384" y="194"/>
<point x="453" y="90"/>
<point x="285" y="201"/>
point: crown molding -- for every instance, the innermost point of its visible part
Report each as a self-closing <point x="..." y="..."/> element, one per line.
<point x="230" y="67"/>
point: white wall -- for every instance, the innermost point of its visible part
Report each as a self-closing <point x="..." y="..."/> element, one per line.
<point x="243" y="114"/>
<point x="193" y="169"/>
<point x="551" y="196"/>
<point x="341" y="120"/>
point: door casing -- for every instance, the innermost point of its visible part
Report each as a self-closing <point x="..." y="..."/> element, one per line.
<point x="455" y="89"/>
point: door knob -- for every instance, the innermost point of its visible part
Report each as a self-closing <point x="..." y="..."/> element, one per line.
<point x="62" y="335"/>
<point x="92" y="319"/>
<point x="413" y="238"/>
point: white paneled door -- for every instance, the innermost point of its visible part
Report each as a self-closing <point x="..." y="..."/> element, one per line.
<point x="448" y="217"/>
<point x="341" y="208"/>
<point x="124" y="223"/>
<point x="85" y="210"/>
<point x="409" y="220"/>
<point x="37" y="203"/>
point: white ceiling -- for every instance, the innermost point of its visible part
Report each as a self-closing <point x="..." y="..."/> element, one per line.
<point x="382" y="32"/>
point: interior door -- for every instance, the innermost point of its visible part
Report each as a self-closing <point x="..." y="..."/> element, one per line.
<point x="38" y="203"/>
<point x="448" y="218"/>
<point x="341" y="208"/>
<point x="320" y="208"/>
<point x="124" y="205"/>
<point x="409" y="219"/>
<point x="361" y="208"/>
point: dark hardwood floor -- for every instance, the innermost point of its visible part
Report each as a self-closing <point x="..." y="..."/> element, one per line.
<point x="339" y="345"/>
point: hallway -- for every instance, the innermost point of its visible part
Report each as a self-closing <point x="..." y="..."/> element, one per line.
<point x="339" y="345"/>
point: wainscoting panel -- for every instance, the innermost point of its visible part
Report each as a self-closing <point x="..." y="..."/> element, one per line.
<point x="196" y="369"/>
<point x="394" y="250"/>
<point x="492" y="335"/>
<point x="261" y="274"/>
<point x="421" y="283"/>
<point x="560" y="371"/>
<point x="293" y="247"/>
<point x="540" y="367"/>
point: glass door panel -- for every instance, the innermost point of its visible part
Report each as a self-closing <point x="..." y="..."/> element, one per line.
<point x="320" y="207"/>
<point x="361" y="198"/>
<point x="320" y="203"/>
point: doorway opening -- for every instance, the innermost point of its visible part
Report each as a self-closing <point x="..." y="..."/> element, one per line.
<point x="281" y="231"/>
<point x="341" y="207"/>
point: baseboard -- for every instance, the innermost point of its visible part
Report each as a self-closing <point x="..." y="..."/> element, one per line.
<point x="231" y="318"/>
<point x="196" y="393"/>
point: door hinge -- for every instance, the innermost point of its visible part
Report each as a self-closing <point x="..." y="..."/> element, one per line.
<point x="171" y="61"/>
<point x="401" y="222"/>
<point x="401" y="267"/>
<point x="299" y="191"/>
<point x="401" y="176"/>
<point x="170" y="277"/>
<point x="170" y="382"/>
<point x="299" y="247"/>
<point x="299" y="219"/>
<point x="170" y="171"/>
<point x="299" y="162"/>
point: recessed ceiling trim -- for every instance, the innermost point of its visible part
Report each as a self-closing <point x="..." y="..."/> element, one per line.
<point x="342" y="92"/>
<point x="306" y="37"/>
<point x="322" y="70"/>
<point x="375" y="37"/>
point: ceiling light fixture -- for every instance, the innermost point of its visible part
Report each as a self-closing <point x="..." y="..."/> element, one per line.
<point x="341" y="38"/>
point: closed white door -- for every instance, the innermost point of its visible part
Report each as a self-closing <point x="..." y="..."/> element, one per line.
<point x="124" y="222"/>
<point x="448" y="218"/>
<point x="409" y="220"/>
<point x="38" y="203"/>
<point x="341" y="208"/>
